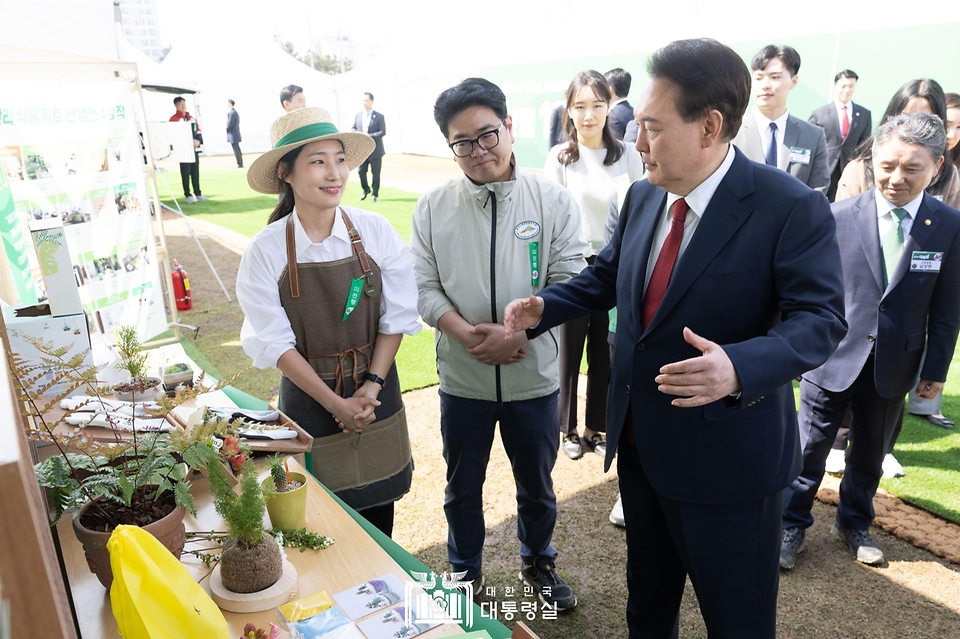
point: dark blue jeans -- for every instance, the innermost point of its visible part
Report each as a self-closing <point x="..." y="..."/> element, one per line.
<point x="529" y="430"/>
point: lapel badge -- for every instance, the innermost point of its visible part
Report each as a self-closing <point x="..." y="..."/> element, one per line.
<point x="927" y="222"/>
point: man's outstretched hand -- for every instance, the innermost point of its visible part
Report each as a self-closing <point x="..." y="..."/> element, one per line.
<point x="522" y="314"/>
<point x="699" y="380"/>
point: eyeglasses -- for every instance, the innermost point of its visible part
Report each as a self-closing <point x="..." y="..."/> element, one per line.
<point x="487" y="141"/>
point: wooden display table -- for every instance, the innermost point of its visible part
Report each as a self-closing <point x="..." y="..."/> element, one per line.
<point x="352" y="560"/>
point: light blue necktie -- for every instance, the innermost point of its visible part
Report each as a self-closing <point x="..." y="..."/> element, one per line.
<point x="771" y="159"/>
<point x="893" y="244"/>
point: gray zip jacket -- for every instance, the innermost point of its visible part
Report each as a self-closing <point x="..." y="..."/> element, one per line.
<point x="471" y="248"/>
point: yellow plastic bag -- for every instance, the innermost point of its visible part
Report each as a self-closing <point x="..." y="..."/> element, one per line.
<point x="153" y="596"/>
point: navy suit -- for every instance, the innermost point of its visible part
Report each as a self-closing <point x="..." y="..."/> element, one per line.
<point x="619" y="116"/>
<point x="761" y="277"/>
<point x="841" y="150"/>
<point x="376" y="130"/>
<point x="233" y="135"/>
<point x="878" y="360"/>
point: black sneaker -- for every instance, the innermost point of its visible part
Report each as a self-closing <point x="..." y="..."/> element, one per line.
<point x="862" y="546"/>
<point x="476" y="583"/>
<point x="792" y="541"/>
<point x="551" y="589"/>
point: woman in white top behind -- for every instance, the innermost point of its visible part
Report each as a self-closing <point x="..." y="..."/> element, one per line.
<point x="597" y="169"/>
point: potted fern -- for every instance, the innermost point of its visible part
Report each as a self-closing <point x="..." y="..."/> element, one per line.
<point x="288" y="503"/>
<point x="251" y="559"/>
<point x="137" y="477"/>
<point x="134" y="361"/>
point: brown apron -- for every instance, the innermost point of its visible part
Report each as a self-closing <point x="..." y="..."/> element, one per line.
<point x="375" y="467"/>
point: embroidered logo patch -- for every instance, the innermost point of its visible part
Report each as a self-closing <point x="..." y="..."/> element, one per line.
<point x="527" y="230"/>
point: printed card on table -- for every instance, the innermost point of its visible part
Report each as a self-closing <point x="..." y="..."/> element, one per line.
<point x="329" y="624"/>
<point x="370" y="596"/>
<point x="396" y="623"/>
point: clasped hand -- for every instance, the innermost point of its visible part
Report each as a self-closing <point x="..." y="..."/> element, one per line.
<point x="699" y="380"/>
<point x="494" y="347"/>
<point x="353" y="414"/>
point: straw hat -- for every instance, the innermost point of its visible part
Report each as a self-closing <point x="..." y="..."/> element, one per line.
<point x="296" y="129"/>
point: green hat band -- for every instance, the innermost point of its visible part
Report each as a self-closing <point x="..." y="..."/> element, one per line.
<point x="306" y="133"/>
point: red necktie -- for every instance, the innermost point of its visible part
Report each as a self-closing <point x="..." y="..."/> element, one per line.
<point x="657" y="287"/>
<point x="845" y="125"/>
<point x="660" y="279"/>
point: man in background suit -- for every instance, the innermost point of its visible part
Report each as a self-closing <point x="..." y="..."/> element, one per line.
<point x="705" y="353"/>
<point x="772" y="135"/>
<point x="901" y="272"/>
<point x="372" y="123"/>
<point x="233" y="132"/>
<point x="292" y="98"/>
<point x="846" y="125"/>
<point x="620" y="110"/>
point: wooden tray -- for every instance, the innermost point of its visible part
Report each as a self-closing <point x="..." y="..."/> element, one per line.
<point x="302" y="444"/>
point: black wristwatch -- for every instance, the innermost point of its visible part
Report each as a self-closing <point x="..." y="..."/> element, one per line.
<point x="376" y="379"/>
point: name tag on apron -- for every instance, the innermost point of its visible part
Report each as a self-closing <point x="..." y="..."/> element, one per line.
<point x="925" y="261"/>
<point x="353" y="298"/>
<point x="800" y="156"/>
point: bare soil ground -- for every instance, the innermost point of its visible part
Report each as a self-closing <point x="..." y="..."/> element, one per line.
<point x="915" y="594"/>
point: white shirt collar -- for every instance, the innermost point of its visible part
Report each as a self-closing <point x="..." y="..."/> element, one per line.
<point x="699" y="198"/>
<point x="304" y="242"/>
<point x="763" y="122"/>
<point x="884" y="206"/>
<point x="840" y="105"/>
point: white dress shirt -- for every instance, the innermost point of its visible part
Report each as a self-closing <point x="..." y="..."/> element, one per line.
<point x="698" y="200"/>
<point x="266" y="333"/>
<point x="763" y="126"/>
<point x="840" y="106"/>
<point x="885" y="218"/>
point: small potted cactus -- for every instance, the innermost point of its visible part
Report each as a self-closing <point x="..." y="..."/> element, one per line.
<point x="288" y="503"/>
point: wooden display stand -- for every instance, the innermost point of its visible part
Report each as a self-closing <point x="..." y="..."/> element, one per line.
<point x="277" y="594"/>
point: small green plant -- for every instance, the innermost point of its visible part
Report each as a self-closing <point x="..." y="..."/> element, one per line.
<point x="132" y="358"/>
<point x="242" y="514"/>
<point x="278" y="472"/>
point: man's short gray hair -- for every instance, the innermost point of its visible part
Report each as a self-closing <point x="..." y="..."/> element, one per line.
<point x="924" y="129"/>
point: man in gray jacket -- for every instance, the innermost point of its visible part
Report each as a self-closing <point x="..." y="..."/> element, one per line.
<point x="478" y="242"/>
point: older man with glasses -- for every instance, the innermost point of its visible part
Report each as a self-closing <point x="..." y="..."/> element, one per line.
<point x="492" y="235"/>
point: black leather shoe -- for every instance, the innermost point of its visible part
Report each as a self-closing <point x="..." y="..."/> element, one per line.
<point x="939" y="420"/>
<point x="792" y="542"/>
<point x="862" y="546"/>
<point x="363" y="196"/>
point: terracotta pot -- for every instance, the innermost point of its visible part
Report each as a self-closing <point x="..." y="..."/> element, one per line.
<point x="169" y="531"/>
<point x="288" y="511"/>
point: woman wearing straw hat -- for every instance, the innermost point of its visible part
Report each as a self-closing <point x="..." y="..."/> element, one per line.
<point x="328" y="293"/>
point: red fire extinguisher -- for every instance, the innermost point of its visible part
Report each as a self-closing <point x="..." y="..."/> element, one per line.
<point x="181" y="288"/>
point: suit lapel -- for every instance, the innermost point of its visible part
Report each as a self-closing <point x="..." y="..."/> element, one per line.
<point x="790" y="134"/>
<point x="724" y="215"/>
<point x="920" y="234"/>
<point x="865" y="216"/>
<point x="641" y="240"/>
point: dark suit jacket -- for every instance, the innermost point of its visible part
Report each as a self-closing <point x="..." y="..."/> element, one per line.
<point x="799" y="134"/>
<point x="915" y="308"/>
<point x="761" y="277"/>
<point x="556" y="125"/>
<point x="619" y="116"/>
<point x="377" y="129"/>
<point x="838" y="149"/>
<point x="233" y="127"/>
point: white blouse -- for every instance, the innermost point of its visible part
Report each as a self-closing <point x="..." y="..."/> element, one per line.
<point x="266" y="333"/>
<point x="595" y="186"/>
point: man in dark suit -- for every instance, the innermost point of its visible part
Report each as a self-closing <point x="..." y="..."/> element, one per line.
<point x="700" y="408"/>
<point x="846" y="125"/>
<point x="901" y="273"/>
<point x="772" y="135"/>
<point x="620" y="110"/>
<point x="233" y="132"/>
<point x="372" y="123"/>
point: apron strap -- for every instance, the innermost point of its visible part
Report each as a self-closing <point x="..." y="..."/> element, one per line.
<point x="292" y="257"/>
<point x="358" y="250"/>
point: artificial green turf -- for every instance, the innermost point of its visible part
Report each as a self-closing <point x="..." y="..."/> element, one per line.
<point x="234" y="205"/>
<point x="417" y="361"/>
